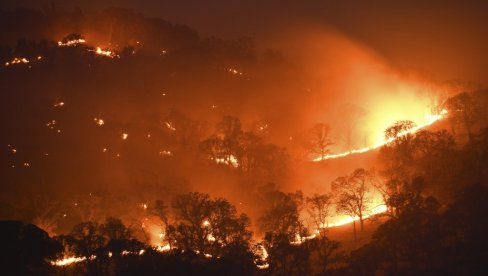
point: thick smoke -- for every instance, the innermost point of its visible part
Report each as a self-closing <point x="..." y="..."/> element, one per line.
<point x="278" y="87"/>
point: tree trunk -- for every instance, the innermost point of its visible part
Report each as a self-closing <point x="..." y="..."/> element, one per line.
<point x="354" y="227"/>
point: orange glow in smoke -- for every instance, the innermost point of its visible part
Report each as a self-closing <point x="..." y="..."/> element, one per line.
<point x="428" y="120"/>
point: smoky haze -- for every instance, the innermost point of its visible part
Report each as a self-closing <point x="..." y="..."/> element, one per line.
<point x="291" y="74"/>
<point x="445" y="37"/>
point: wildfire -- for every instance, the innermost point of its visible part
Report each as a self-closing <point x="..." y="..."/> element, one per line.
<point x="163" y="248"/>
<point x="263" y="127"/>
<point x="234" y="71"/>
<point x="68" y="261"/>
<point x="230" y="161"/>
<point x="140" y="252"/>
<point x="71" y="260"/>
<point x="263" y="257"/>
<point x="299" y="240"/>
<point x="342" y="221"/>
<point x="52" y="126"/>
<point x="17" y="60"/>
<point x="106" y="53"/>
<point x="99" y="121"/>
<point x="170" y="126"/>
<point x="58" y="104"/>
<point x="12" y="149"/>
<point x="165" y="153"/>
<point x="70" y="43"/>
<point x="429" y="120"/>
<point x="375" y="211"/>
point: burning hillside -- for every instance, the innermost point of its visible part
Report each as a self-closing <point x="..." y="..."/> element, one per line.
<point x="132" y="145"/>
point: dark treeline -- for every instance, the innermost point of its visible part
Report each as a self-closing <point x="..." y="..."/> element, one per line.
<point x="419" y="236"/>
<point x="116" y="27"/>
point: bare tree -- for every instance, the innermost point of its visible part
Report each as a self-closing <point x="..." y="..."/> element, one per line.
<point x="88" y="207"/>
<point x="464" y="110"/>
<point x="46" y="213"/>
<point x="397" y="154"/>
<point x="282" y="217"/>
<point x="351" y="195"/>
<point x="318" y="207"/>
<point x="398" y="131"/>
<point x="207" y="226"/>
<point x="318" y="142"/>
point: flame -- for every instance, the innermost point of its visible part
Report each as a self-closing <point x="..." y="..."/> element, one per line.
<point x="428" y="120"/>
<point x="263" y="257"/>
<point x="299" y="240"/>
<point x="170" y="126"/>
<point x="68" y="261"/>
<point x="99" y="121"/>
<point x="58" y="104"/>
<point x="165" y="153"/>
<point x="12" y="149"/>
<point x="231" y="160"/>
<point x="105" y="53"/>
<point x="71" y="260"/>
<point x="234" y="71"/>
<point x="17" y="60"/>
<point x="51" y="124"/>
<point x="343" y="220"/>
<point x="70" y="43"/>
<point x="346" y="220"/>
<point x="163" y="248"/>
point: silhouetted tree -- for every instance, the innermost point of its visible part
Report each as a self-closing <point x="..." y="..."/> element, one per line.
<point x="434" y="158"/>
<point x="318" y="206"/>
<point x="114" y="229"/>
<point x="318" y="141"/>
<point x="408" y="244"/>
<point x="88" y="238"/>
<point x="282" y="218"/>
<point x="465" y="224"/>
<point x="326" y="250"/>
<point x="286" y="258"/>
<point x="71" y="37"/>
<point x="352" y="195"/>
<point x="463" y="108"/>
<point x="26" y="249"/>
<point x="207" y="226"/>
<point x="397" y="155"/>
<point x="251" y="147"/>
